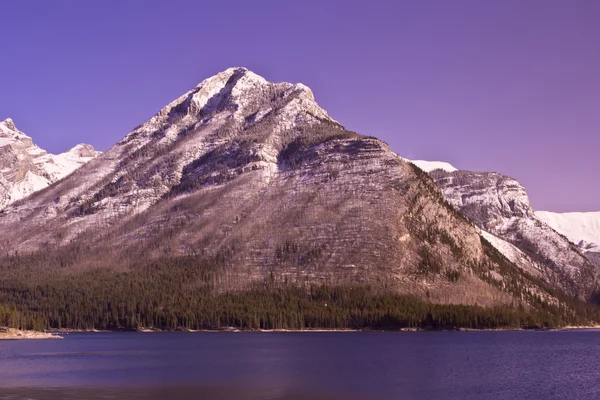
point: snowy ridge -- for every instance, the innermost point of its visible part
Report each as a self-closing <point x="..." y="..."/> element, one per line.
<point x="576" y="226"/>
<point x="231" y="98"/>
<point x="26" y="168"/>
<point x="429" y="166"/>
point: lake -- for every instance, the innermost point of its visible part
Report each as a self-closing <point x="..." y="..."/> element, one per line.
<point x="336" y="365"/>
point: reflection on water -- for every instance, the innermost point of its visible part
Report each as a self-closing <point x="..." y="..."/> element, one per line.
<point x="166" y="393"/>
<point x="95" y="353"/>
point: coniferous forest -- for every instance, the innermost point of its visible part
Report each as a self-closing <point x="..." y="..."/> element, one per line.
<point x="176" y="293"/>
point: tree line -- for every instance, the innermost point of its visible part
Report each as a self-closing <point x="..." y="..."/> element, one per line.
<point x="177" y="293"/>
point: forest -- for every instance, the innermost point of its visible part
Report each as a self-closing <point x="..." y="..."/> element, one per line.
<point x="176" y="294"/>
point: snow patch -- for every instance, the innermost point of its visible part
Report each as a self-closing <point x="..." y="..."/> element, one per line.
<point x="511" y="252"/>
<point x="429" y="166"/>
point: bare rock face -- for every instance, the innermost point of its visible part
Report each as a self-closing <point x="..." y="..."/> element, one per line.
<point x="25" y="168"/>
<point x="485" y="196"/>
<point x="256" y="177"/>
<point x="594" y="257"/>
<point x="499" y="205"/>
<point x="591" y="251"/>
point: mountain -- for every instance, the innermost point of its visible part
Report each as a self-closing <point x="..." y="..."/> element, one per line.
<point x="500" y="207"/>
<point x="582" y="228"/>
<point x="243" y="187"/>
<point x="25" y="168"/>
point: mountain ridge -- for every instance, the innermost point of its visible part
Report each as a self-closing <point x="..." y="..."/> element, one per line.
<point x="25" y="168"/>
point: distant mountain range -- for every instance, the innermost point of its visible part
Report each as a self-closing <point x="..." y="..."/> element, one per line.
<point x="242" y="184"/>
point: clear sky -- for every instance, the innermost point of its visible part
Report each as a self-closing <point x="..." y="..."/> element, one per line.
<point x="511" y="86"/>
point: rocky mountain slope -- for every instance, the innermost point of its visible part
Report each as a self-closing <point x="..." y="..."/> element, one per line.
<point x="500" y="207"/>
<point x="256" y="178"/>
<point x="25" y="168"/>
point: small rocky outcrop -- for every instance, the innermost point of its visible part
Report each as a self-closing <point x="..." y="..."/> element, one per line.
<point x="12" y="333"/>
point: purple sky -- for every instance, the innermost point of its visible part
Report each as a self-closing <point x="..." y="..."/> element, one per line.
<point x="511" y="86"/>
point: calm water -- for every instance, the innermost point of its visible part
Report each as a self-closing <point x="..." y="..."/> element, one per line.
<point x="436" y="365"/>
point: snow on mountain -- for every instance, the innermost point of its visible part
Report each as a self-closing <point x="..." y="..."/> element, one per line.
<point x="576" y="226"/>
<point x="60" y="165"/>
<point x="25" y="168"/>
<point x="513" y="253"/>
<point x="429" y="166"/>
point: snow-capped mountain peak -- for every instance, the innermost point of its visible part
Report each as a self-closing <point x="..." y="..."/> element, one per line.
<point x="235" y="90"/>
<point x="26" y="168"/>
<point x="9" y="134"/>
<point x="7" y="124"/>
<point x="83" y="150"/>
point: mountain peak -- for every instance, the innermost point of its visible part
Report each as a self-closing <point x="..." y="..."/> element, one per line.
<point x="240" y="88"/>
<point x="238" y="96"/>
<point x="9" y="134"/>
<point x="8" y="127"/>
<point x="84" y="150"/>
<point x="9" y="123"/>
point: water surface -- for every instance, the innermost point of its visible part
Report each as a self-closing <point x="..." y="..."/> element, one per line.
<point x="361" y="365"/>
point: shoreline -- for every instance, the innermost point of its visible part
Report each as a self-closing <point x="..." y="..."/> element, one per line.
<point x="18" y="334"/>
<point x="577" y="328"/>
<point x="52" y="333"/>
